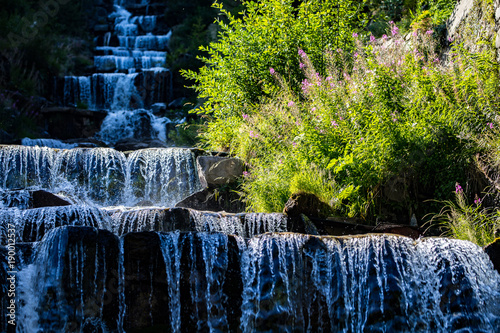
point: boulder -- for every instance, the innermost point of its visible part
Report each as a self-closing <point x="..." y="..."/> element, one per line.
<point x="216" y="200"/>
<point x="215" y="171"/>
<point x="43" y="198"/>
<point x="308" y="204"/>
<point x="493" y="251"/>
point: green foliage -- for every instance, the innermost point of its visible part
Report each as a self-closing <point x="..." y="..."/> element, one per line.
<point x="237" y="71"/>
<point x="185" y="134"/>
<point x="392" y="112"/>
<point x="474" y="223"/>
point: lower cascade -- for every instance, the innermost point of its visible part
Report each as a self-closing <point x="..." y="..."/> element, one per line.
<point x="85" y="279"/>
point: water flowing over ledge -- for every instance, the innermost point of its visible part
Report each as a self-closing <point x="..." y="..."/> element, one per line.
<point x="197" y="281"/>
<point x="102" y="176"/>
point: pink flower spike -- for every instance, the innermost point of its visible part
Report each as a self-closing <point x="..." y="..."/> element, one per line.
<point x="429" y="32"/>
<point x="372" y="38"/>
<point x="301" y="65"/>
<point x="302" y="53"/>
<point x="458" y="188"/>
<point x="355" y="35"/>
<point x="246" y="174"/>
<point x="271" y="70"/>
<point x="291" y="103"/>
<point x="477" y="200"/>
<point x="384" y="36"/>
<point x="395" y="30"/>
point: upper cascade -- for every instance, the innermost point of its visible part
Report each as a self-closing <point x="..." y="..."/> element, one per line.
<point x="129" y="78"/>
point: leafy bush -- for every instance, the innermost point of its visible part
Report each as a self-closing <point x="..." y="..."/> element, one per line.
<point x="387" y="131"/>
<point x="237" y="71"/>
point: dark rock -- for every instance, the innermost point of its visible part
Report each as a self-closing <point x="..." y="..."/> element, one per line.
<point x="101" y="28"/>
<point x="130" y="144"/>
<point x="161" y="271"/>
<point x="308" y="204"/>
<point x="69" y="123"/>
<point x="77" y="279"/>
<point x="397" y="229"/>
<point x="216" y="200"/>
<point x="43" y="198"/>
<point x="27" y="199"/>
<point x="177" y="103"/>
<point x="6" y="137"/>
<point x="216" y="171"/>
<point x="493" y="251"/>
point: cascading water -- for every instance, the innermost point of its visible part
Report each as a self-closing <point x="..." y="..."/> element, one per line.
<point x="131" y="78"/>
<point x="122" y="259"/>
<point x="102" y="176"/>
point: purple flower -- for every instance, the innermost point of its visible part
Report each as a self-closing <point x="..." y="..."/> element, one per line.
<point x="450" y="39"/>
<point x="395" y="30"/>
<point x="246" y="174"/>
<point x="294" y="144"/>
<point x="477" y="200"/>
<point x="429" y="32"/>
<point x="334" y="123"/>
<point x="291" y="103"/>
<point x="355" y="35"/>
<point x="253" y="135"/>
<point x="302" y="53"/>
<point x="245" y="116"/>
<point x="301" y="65"/>
<point x="384" y="36"/>
<point x="271" y="70"/>
<point x="415" y="33"/>
<point x="458" y="188"/>
<point x="356" y="54"/>
<point x="490" y="125"/>
<point x="313" y="109"/>
<point x="372" y="38"/>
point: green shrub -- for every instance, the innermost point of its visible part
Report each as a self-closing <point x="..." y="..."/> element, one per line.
<point x="238" y="67"/>
<point x="392" y="112"/>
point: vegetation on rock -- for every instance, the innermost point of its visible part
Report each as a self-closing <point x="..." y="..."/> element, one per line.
<point x="376" y="124"/>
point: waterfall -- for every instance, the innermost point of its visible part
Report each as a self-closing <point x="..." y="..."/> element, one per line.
<point x="244" y="225"/>
<point x="65" y="289"/>
<point x="197" y="281"/>
<point x="302" y="283"/>
<point x="102" y="176"/>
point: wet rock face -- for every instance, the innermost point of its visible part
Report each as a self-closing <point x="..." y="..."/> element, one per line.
<point x="216" y="200"/>
<point x="75" y="277"/>
<point x="216" y="171"/>
<point x="180" y="282"/>
<point x="69" y="123"/>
